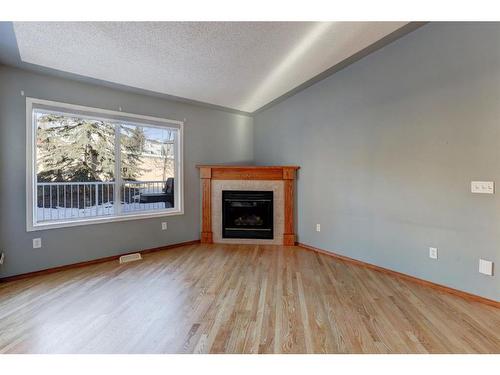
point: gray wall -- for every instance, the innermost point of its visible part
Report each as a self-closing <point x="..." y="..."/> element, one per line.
<point x="387" y="149"/>
<point x="211" y="136"/>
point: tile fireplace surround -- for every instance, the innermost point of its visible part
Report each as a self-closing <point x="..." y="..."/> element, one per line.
<point x="279" y="179"/>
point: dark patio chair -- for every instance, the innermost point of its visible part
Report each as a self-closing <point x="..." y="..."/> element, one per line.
<point x="166" y="196"/>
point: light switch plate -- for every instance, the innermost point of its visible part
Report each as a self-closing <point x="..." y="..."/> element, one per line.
<point x="318" y="227"/>
<point x="482" y="187"/>
<point x="433" y="252"/>
<point x="486" y="267"/>
<point x="164" y="225"/>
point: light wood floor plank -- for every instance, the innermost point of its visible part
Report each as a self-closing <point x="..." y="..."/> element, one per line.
<point x="238" y="299"/>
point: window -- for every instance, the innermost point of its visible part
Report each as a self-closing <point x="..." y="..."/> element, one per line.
<point x="88" y="165"/>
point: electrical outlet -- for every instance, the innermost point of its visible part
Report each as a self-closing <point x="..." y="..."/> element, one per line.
<point x="318" y="227"/>
<point x="37" y="243"/>
<point x="2" y="258"/>
<point x="164" y="225"/>
<point x="433" y="252"/>
<point x="486" y="267"/>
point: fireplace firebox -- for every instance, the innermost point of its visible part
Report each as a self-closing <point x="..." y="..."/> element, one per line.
<point x="247" y="214"/>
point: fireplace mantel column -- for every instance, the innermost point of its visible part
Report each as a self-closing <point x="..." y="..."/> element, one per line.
<point x="289" y="233"/>
<point x="206" y="211"/>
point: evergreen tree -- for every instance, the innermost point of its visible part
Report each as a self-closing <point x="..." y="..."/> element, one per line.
<point x="132" y="140"/>
<point x="77" y="149"/>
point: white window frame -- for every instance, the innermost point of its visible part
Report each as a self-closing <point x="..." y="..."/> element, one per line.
<point x="107" y="115"/>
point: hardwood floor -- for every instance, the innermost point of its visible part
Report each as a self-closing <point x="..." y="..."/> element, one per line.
<point x="238" y="299"/>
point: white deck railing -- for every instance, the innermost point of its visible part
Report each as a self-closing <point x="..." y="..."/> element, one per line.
<point x="73" y="200"/>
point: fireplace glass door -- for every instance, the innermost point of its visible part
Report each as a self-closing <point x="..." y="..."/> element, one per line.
<point x="247" y="214"/>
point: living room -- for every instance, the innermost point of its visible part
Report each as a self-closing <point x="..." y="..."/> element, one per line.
<point x="249" y="187"/>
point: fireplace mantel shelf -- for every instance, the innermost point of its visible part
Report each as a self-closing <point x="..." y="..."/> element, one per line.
<point x="286" y="173"/>
<point x="228" y="166"/>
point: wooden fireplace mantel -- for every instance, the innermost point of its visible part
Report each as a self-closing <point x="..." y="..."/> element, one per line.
<point x="247" y="172"/>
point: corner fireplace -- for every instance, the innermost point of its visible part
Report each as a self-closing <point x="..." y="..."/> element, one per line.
<point x="247" y="214"/>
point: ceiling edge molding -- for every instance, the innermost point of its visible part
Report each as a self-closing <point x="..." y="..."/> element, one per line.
<point x="389" y="38"/>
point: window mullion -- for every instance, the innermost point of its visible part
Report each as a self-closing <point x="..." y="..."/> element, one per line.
<point x="118" y="174"/>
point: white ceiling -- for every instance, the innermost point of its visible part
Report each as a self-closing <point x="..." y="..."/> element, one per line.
<point x="240" y="65"/>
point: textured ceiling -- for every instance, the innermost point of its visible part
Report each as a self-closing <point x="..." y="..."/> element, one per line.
<point x="240" y="65"/>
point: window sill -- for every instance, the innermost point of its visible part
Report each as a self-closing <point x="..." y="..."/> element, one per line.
<point x="102" y="220"/>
